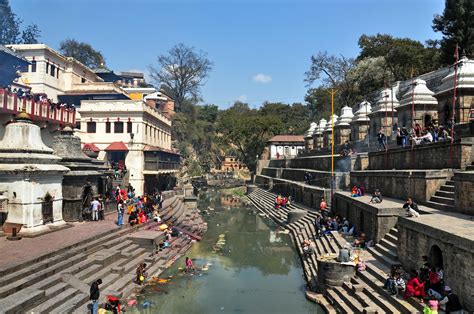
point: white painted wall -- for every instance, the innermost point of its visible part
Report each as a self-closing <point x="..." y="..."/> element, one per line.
<point x="288" y="150"/>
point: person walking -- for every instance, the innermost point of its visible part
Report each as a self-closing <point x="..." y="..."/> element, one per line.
<point x="95" y="295"/>
<point x="101" y="208"/>
<point x="95" y="205"/>
<point x="381" y="140"/>
<point x="120" y="212"/>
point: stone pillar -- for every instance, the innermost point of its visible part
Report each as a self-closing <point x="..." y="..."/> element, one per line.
<point x="31" y="178"/>
<point x="318" y="134"/>
<point x="342" y="126"/>
<point x="464" y="93"/>
<point x="308" y="137"/>
<point x="331" y="273"/>
<point x="327" y="133"/>
<point x="360" y="122"/>
<point x="384" y="114"/>
<point x="422" y="100"/>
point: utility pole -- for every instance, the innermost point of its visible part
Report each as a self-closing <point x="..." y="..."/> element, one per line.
<point x="333" y="92"/>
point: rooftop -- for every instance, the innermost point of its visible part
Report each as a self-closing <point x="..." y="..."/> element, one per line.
<point x="287" y="138"/>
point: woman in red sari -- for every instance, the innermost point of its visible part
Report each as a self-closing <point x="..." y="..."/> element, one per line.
<point x="415" y="287"/>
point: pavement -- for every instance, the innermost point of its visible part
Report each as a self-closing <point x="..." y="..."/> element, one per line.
<point x="26" y="249"/>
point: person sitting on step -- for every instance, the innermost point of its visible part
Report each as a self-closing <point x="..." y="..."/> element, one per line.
<point x="411" y="208"/>
<point x="344" y="254"/>
<point x="360" y="241"/>
<point x="376" y="197"/>
<point x="414" y="287"/>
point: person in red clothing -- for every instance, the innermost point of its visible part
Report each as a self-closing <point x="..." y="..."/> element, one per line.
<point x="323" y="207"/>
<point x="414" y="288"/>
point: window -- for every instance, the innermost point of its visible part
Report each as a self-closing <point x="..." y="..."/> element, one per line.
<point x="287" y="150"/>
<point x="33" y="66"/>
<point x="107" y="126"/>
<point x="53" y="70"/>
<point x="129" y="127"/>
<point x="78" y="125"/>
<point x="146" y="129"/>
<point x="47" y="67"/>
<point x="83" y="80"/>
<point x="118" y="127"/>
<point x="91" y="127"/>
<point x="57" y="72"/>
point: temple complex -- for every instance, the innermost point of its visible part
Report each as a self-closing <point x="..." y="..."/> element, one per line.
<point x="437" y="175"/>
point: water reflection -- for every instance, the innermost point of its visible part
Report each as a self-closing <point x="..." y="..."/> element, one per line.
<point x="255" y="271"/>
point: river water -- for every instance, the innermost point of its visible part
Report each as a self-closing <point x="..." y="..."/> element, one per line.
<point x="248" y="268"/>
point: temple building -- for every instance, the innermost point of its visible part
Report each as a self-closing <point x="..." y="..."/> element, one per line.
<point x="232" y="163"/>
<point x="360" y="122"/>
<point x="418" y="106"/>
<point x="285" y="146"/>
<point x="133" y="136"/>
<point x="63" y="79"/>
<point x="30" y="178"/>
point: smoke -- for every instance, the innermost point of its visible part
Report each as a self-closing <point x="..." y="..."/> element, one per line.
<point x="343" y="164"/>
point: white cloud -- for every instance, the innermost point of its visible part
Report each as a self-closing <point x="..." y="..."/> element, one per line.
<point x="262" y="78"/>
<point x="242" y="98"/>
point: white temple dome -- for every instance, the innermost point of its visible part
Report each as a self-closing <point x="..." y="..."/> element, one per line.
<point x="365" y="108"/>
<point x="419" y="94"/>
<point x="346" y="116"/>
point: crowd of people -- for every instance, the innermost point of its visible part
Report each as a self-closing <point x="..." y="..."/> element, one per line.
<point x="416" y="136"/>
<point x="427" y="284"/>
<point x="39" y="98"/>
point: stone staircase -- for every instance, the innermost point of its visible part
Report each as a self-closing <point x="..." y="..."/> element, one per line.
<point x="59" y="282"/>
<point x="364" y="293"/>
<point x="443" y="198"/>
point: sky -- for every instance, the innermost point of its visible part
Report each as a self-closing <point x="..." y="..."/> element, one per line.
<point x="260" y="49"/>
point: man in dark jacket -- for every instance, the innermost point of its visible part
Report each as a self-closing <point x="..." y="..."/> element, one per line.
<point x="94" y="295"/>
<point x="411" y="208"/>
<point x="381" y="140"/>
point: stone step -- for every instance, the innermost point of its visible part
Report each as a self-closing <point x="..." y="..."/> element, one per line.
<point x="450" y="182"/>
<point x="19" y="302"/>
<point x="442" y="200"/>
<point x="386" y="251"/>
<point x="382" y="257"/>
<point x="445" y="194"/>
<point x="470" y="168"/>
<point x="337" y="302"/>
<point x="53" y="301"/>
<point x="389" y="244"/>
<point x="370" y="296"/>
<point x="377" y="285"/>
<point x="447" y="188"/>
<point x="394" y="231"/>
<point x="349" y="300"/>
<point x="440" y="206"/>
<point x="71" y="304"/>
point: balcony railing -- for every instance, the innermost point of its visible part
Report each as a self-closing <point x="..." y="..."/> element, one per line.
<point x="161" y="165"/>
<point x="10" y="103"/>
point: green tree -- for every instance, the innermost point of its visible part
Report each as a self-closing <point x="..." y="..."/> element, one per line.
<point x="182" y="71"/>
<point x="318" y="101"/>
<point x="248" y="132"/>
<point x="10" y="32"/>
<point x="457" y="26"/>
<point x="403" y="56"/>
<point x="30" y="34"/>
<point x="208" y="113"/>
<point x="82" y="52"/>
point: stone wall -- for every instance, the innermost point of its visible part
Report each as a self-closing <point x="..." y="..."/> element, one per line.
<point x="374" y="220"/>
<point x="416" y="240"/>
<point x="430" y="156"/>
<point x="464" y="192"/>
<point x="421" y="185"/>
<point x="303" y="194"/>
<point x="323" y="163"/>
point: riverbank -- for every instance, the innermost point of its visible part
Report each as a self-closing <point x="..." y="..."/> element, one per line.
<point x="243" y="265"/>
<point x="59" y="280"/>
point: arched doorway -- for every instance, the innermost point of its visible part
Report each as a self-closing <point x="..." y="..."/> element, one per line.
<point x="436" y="257"/>
<point x="47" y="208"/>
<point x="86" y="202"/>
<point x="427" y="120"/>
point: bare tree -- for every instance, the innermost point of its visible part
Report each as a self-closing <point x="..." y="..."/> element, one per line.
<point x="182" y="71"/>
<point x="333" y="71"/>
